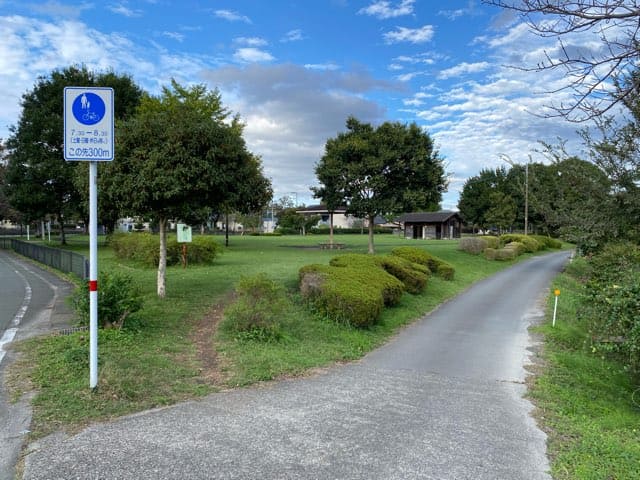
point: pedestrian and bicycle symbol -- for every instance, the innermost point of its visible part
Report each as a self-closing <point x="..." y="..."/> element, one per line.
<point x="88" y="108"/>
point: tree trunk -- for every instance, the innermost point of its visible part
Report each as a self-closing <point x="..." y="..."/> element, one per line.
<point x="330" y="228"/>
<point x="371" y="220"/>
<point x="162" y="264"/>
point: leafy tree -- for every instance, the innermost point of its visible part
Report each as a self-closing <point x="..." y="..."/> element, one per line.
<point x="180" y="153"/>
<point x="39" y="181"/>
<point x="591" y="73"/>
<point x="502" y="212"/>
<point x="329" y="191"/>
<point x="378" y="171"/>
<point x="290" y="219"/>
<point x="475" y="198"/>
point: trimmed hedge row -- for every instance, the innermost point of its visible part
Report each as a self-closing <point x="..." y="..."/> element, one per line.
<point x="434" y="264"/>
<point x="508" y="246"/>
<point x="412" y="275"/>
<point x="144" y="248"/>
<point x="352" y="295"/>
<point x="354" y="288"/>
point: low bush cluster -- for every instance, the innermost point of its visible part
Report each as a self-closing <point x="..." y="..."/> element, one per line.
<point x="258" y="310"/>
<point x="500" y="254"/>
<point x="473" y="245"/>
<point x="354" y="288"/>
<point x="353" y="295"/>
<point x="434" y="264"/>
<point x="118" y="300"/>
<point x="613" y="302"/>
<point x="508" y="246"/>
<point x="412" y="275"/>
<point x="144" y="248"/>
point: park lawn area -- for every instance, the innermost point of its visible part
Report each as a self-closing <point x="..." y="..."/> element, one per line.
<point x="586" y="401"/>
<point x="173" y="351"/>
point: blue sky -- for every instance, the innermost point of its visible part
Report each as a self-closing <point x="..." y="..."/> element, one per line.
<point x="296" y="69"/>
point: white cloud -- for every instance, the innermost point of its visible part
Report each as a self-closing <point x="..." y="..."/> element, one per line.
<point x="251" y="41"/>
<point x="383" y="9"/>
<point x="462" y="69"/>
<point x="252" y="55"/>
<point x="470" y="9"/>
<point x="411" y="35"/>
<point x="420" y="58"/>
<point x="122" y="9"/>
<point x="322" y="66"/>
<point x="293" y="36"/>
<point x="179" y="37"/>
<point x="503" y="112"/>
<point x="57" y="9"/>
<point x="291" y="111"/>
<point x="231" y="16"/>
<point x="407" y="77"/>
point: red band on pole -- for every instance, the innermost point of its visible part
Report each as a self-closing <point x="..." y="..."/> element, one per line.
<point x="93" y="285"/>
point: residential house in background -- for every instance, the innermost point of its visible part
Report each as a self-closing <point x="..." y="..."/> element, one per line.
<point x="340" y="217"/>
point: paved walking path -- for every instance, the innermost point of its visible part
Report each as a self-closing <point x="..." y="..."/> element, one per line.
<point x="31" y="302"/>
<point x="443" y="400"/>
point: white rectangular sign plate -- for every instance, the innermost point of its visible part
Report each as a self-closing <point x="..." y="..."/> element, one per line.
<point x="88" y="124"/>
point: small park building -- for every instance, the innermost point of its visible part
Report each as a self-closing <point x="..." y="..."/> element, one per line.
<point x="432" y="225"/>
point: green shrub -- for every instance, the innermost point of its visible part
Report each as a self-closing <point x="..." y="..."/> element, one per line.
<point x="144" y="248"/>
<point x="342" y="294"/>
<point x="473" y="245"/>
<point x="412" y="275"/>
<point x="258" y="310"/>
<point x="355" y="260"/>
<point x="490" y="253"/>
<point x="202" y="250"/>
<point x="417" y="255"/>
<point x="614" y="260"/>
<point x="613" y="294"/>
<point x="547" y="242"/>
<point x="500" y="254"/>
<point x="531" y="245"/>
<point x="118" y="299"/>
<point x="492" y="242"/>
<point x="519" y="247"/>
<point x="370" y="266"/>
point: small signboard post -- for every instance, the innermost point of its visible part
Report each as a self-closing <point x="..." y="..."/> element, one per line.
<point x="184" y="237"/>
<point x="89" y="136"/>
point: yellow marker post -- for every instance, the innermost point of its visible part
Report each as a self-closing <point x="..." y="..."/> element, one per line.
<point x="556" y="292"/>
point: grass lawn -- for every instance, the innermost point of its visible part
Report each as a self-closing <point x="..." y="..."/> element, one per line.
<point x="175" y="352"/>
<point x="587" y="403"/>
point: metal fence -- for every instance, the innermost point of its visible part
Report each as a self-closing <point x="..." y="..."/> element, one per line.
<point x="63" y="260"/>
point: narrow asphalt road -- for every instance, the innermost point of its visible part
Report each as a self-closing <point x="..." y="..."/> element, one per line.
<point x="31" y="302"/>
<point x="443" y="400"/>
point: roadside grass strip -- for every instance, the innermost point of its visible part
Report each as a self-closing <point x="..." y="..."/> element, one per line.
<point x="586" y="402"/>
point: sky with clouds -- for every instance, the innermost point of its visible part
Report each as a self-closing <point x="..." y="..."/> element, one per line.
<point x="296" y="69"/>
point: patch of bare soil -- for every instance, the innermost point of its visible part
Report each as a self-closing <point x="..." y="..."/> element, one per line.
<point x="202" y="336"/>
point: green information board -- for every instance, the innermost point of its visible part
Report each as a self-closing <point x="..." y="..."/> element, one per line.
<point x="184" y="233"/>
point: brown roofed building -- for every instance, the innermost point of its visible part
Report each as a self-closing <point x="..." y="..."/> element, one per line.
<point x="431" y="225"/>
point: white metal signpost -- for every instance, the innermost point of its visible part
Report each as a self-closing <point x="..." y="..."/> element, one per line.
<point x="89" y="136"/>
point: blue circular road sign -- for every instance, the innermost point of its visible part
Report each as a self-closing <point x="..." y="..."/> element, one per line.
<point x="88" y="108"/>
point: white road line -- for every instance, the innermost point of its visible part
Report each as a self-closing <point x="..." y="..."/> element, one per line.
<point x="10" y="333"/>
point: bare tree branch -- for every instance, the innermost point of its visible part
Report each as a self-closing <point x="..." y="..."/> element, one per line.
<point x="597" y="81"/>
